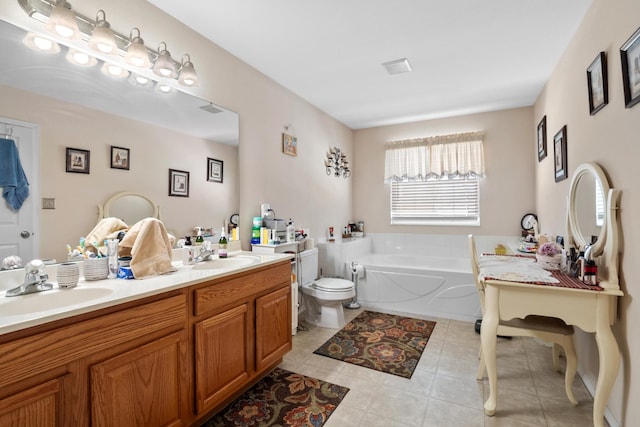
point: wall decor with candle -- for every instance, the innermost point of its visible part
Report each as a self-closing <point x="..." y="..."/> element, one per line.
<point x="336" y="163"/>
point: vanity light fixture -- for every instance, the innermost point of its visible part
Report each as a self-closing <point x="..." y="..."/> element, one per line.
<point x="114" y="70"/>
<point x="165" y="66"/>
<point x="78" y="57"/>
<point x="137" y="54"/>
<point x="62" y="21"/>
<point x="41" y="44"/>
<point x="140" y="80"/>
<point x="336" y="163"/>
<point x="102" y="39"/>
<point x="164" y="88"/>
<point x="188" y="76"/>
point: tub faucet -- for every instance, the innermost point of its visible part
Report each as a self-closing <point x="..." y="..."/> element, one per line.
<point x="35" y="280"/>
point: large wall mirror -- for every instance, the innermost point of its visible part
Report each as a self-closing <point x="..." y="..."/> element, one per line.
<point x="52" y="76"/>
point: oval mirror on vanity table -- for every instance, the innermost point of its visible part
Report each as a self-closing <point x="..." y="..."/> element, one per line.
<point x="592" y="211"/>
<point x="129" y="207"/>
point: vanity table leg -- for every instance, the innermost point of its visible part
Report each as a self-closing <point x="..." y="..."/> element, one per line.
<point x="609" y="354"/>
<point x="488" y="338"/>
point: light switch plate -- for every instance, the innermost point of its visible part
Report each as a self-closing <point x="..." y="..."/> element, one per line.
<point x="48" y="203"/>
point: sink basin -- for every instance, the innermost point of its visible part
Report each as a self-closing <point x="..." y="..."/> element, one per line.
<point x="49" y="300"/>
<point x="230" y="263"/>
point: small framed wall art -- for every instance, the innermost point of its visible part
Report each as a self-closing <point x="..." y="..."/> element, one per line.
<point x="119" y="158"/>
<point x="542" y="139"/>
<point x="78" y="161"/>
<point x="560" y="154"/>
<point x="214" y="170"/>
<point x="289" y="145"/>
<point x="630" y="55"/>
<point x="178" y="183"/>
<point x="597" y="84"/>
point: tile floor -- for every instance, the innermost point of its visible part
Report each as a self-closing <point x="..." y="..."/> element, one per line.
<point x="443" y="390"/>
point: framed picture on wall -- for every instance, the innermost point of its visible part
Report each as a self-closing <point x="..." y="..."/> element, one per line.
<point x="289" y="145"/>
<point x="542" y="139"/>
<point x="214" y="170"/>
<point x="630" y="55"/>
<point x="178" y="183"/>
<point x="597" y="84"/>
<point x="560" y="154"/>
<point x="119" y="158"/>
<point x="78" y="161"/>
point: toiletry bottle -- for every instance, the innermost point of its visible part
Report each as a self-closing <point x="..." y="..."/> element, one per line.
<point x="222" y="245"/>
<point x="291" y="232"/>
<point x="199" y="237"/>
<point x="590" y="273"/>
<point x="187" y="240"/>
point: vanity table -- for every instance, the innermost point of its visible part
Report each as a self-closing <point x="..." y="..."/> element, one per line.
<point x="591" y="308"/>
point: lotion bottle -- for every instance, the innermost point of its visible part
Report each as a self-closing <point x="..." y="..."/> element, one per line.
<point x="222" y="245"/>
<point x="291" y="232"/>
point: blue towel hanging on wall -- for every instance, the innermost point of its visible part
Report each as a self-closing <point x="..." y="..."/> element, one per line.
<point x="15" y="187"/>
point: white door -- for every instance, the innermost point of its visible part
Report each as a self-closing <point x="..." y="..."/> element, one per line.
<point x="18" y="230"/>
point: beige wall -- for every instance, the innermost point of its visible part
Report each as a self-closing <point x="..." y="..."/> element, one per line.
<point x="506" y="193"/>
<point x="609" y="138"/>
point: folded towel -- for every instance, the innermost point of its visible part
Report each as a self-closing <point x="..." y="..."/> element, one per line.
<point x="15" y="187"/>
<point x="149" y="246"/>
<point x="106" y="228"/>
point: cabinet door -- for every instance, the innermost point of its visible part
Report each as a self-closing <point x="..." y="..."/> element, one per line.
<point x="37" y="406"/>
<point x="142" y="387"/>
<point x="221" y="356"/>
<point x="273" y="327"/>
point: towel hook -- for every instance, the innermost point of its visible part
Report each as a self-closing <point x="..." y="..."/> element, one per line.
<point x="8" y="131"/>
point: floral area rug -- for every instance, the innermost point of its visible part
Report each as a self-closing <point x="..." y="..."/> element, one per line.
<point x="282" y="398"/>
<point x="384" y="342"/>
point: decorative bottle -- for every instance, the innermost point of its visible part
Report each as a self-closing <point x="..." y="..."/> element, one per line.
<point x="291" y="232"/>
<point x="222" y="245"/>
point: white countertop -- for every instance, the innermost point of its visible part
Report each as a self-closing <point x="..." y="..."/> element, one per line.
<point x="25" y="311"/>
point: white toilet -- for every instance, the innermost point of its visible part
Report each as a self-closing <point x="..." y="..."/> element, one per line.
<point x="323" y="297"/>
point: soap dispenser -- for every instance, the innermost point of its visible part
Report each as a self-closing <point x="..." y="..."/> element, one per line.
<point x="291" y="232"/>
<point x="222" y="244"/>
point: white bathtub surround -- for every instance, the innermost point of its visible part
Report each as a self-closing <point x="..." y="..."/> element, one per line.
<point x="421" y="274"/>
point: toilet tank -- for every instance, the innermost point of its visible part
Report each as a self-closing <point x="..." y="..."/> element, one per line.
<point x="308" y="269"/>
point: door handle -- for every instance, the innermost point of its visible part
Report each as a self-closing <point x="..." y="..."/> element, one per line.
<point x="25" y="234"/>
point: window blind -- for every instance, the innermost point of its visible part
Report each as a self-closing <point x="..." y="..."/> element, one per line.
<point x="441" y="201"/>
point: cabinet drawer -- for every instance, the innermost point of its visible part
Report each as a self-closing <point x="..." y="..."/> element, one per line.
<point x="220" y="294"/>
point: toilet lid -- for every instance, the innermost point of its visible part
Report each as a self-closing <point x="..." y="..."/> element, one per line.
<point x="331" y="284"/>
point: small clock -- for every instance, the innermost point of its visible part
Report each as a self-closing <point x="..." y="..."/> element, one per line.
<point x="235" y="219"/>
<point x="528" y="221"/>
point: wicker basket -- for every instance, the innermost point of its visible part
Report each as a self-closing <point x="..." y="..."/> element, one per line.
<point x="549" y="262"/>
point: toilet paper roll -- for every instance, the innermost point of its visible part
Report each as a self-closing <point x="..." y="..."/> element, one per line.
<point x="359" y="270"/>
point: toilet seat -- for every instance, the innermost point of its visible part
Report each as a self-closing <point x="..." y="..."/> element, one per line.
<point x="329" y="284"/>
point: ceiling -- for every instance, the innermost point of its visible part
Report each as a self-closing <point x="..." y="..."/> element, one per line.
<point x="467" y="56"/>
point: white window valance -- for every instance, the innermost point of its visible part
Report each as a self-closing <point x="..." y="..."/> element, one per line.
<point x="451" y="156"/>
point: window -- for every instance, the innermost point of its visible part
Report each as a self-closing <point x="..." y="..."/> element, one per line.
<point x="435" y="181"/>
<point x="436" y="202"/>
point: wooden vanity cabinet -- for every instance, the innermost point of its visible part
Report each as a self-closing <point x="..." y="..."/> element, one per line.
<point x="243" y="329"/>
<point x="167" y="360"/>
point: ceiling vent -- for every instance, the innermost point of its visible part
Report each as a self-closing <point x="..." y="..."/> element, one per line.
<point x="210" y="108"/>
<point x="398" y="66"/>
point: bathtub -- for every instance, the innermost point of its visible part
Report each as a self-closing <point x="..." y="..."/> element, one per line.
<point x="424" y="285"/>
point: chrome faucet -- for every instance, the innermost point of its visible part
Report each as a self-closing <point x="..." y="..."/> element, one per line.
<point x="205" y="252"/>
<point x="35" y="280"/>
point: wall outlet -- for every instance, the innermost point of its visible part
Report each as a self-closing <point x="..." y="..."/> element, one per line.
<point x="48" y="203"/>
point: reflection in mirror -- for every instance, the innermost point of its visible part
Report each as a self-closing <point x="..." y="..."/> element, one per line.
<point x="129" y="207"/>
<point x="52" y="75"/>
<point x="587" y="214"/>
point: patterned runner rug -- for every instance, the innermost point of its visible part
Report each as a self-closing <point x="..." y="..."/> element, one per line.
<point x="384" y="342"/>
<point x="282" y="398"/>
